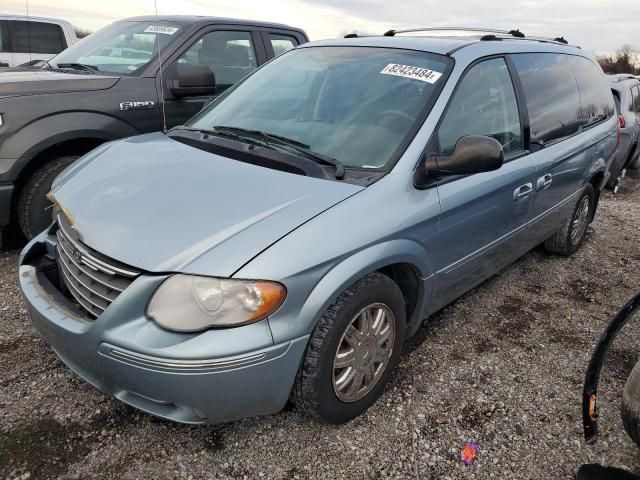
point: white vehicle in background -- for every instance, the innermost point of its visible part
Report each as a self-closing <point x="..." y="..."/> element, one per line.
<point x="28" y="39"/>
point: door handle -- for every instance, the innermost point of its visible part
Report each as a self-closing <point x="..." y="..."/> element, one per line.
<point x="523" y="192"/>
<point x="544" y="182"/>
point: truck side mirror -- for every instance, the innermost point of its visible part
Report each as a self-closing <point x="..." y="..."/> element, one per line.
<point x="192" y="81"/>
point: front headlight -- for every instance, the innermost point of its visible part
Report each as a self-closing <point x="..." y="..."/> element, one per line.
<point x="189" y="303"/>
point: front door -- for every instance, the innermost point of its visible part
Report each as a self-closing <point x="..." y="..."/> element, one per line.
<point x="484" y="216"/>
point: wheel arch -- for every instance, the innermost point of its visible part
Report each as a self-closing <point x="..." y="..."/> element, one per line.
<point x="404" y="261"/>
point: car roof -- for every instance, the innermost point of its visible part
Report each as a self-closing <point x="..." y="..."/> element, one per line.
<point x="621" y="78"/>
<point x="34" y="19"/>
<point x="448" y="45"/>
<point x="196" y="19"/>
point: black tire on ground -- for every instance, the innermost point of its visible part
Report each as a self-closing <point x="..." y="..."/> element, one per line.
<point x="34" y="214"/>
<point x="313" y="391"/>
<point x="635" y="164"/>
<point x="631" y="405"/>
<point x="562" y="243"/>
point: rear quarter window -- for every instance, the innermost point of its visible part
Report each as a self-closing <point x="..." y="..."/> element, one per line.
<point x="595" y="94"/>
<point x="551" y="95"/>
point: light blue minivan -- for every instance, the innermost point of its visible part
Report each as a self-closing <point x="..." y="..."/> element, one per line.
<point x="287" y="241"/>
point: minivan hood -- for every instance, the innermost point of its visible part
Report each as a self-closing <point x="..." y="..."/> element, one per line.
<point x="27" y="81"/>
<point x="161" y="206"/>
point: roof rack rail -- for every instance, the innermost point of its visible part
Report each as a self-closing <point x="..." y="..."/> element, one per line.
<point x="515" y="33"/>
<point x="492" y="34"/>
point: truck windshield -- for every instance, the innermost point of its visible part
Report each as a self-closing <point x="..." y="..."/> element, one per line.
<point x="358" y="105"/>
<point x="122" y="48"/>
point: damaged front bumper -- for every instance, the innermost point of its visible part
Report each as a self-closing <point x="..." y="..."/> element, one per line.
<point x="206" y="377"/>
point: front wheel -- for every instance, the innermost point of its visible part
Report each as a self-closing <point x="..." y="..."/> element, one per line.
<point x="568" y="239"/>
<point x="34" y="212"/>
<point x="352" y="351"/>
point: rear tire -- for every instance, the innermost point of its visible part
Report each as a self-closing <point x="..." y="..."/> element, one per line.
<point x="34" y="214"/>
<point x="568" y="239"/>
<point x="631" y="405"/>
<point x="322" y="389"/>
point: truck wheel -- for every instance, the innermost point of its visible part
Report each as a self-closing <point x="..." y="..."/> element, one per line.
<point x="631" y="405"/>
<point x="34" y="214"/>
<point x="352" y="351"/>
<point x="568" y="239"/>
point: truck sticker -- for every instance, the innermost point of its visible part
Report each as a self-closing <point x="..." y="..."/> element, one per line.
<point x="161" y="29"/>
<point x="414" y="73"/>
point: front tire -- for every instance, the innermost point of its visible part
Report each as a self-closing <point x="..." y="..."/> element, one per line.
<point x="34" y="213"/>
<point x="631" y="405"/>
<point x="352" y="351"/>
<point x="568" y="239"/>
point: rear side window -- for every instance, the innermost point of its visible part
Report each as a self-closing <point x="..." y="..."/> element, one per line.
<point x="483" y="104"/>
<point x="37" y="37"/>
<point x="595" y="95"/>
<point x="551" y="94"/>
<point x="636" y="99"/>
<point x="282" y="43"/>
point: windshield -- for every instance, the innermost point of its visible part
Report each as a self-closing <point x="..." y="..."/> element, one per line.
<point x="122" y="48"/>
<point x="354" y="104"/>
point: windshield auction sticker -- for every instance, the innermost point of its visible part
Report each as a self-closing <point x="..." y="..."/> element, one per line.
<point x="161" y="29"/>
<point x="415" y="73"/>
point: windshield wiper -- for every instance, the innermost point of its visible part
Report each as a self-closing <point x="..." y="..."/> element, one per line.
<point x="78" y="66"/>
<point x="299" y="147"/>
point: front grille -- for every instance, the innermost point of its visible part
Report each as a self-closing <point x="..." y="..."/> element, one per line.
<point x="93" y="281"/>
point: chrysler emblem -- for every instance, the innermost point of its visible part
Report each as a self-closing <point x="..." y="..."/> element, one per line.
<point x="77" y="256"/>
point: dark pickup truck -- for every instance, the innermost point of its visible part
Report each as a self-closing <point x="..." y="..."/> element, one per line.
<point x="110" y="85"/>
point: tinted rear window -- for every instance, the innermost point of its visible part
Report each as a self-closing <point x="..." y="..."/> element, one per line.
<point x="37" y="37"/>
<point x="596" y="97"/>
<point x="551" y="93"/>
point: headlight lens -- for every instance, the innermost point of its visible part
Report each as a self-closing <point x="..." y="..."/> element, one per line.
<point x="189" y="303"/>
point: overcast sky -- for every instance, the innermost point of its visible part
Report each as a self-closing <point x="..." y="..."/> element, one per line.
<point x="596" y="25"/>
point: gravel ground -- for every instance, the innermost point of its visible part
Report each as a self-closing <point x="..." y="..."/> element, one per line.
<point x="503" y="366"/>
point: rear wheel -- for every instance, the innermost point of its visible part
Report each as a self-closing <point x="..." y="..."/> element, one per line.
<point x="568" y="239"/>
<point x="352" y="351"/>
<point x="34" y="213"/>
<point x="631" y="405"/>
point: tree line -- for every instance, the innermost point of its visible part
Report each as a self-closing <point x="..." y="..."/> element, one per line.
<point x="625" y="60"/>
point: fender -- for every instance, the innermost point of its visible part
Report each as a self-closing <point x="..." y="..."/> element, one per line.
<point x="37" y="136"/>
<point x="590" y="392"/>
<point x="356" y="266"/>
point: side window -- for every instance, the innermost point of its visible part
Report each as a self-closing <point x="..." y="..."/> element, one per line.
<point x="4" y="37"/>
<point x="636" y="98"/>
<point x="37" y="37"/>
<point x="282" y="43"/>
<point x="230" y="55"/>
<point x="595" y="95"/>
<point x="551" y="94"/>
<point x="483" y="104"/>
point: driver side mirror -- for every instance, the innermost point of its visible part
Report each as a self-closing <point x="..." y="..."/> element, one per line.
<point x="192" y="81"/>
<point x="472" y="154"/>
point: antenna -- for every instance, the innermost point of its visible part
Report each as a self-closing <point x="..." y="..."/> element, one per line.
<point x="164" y="114"/>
